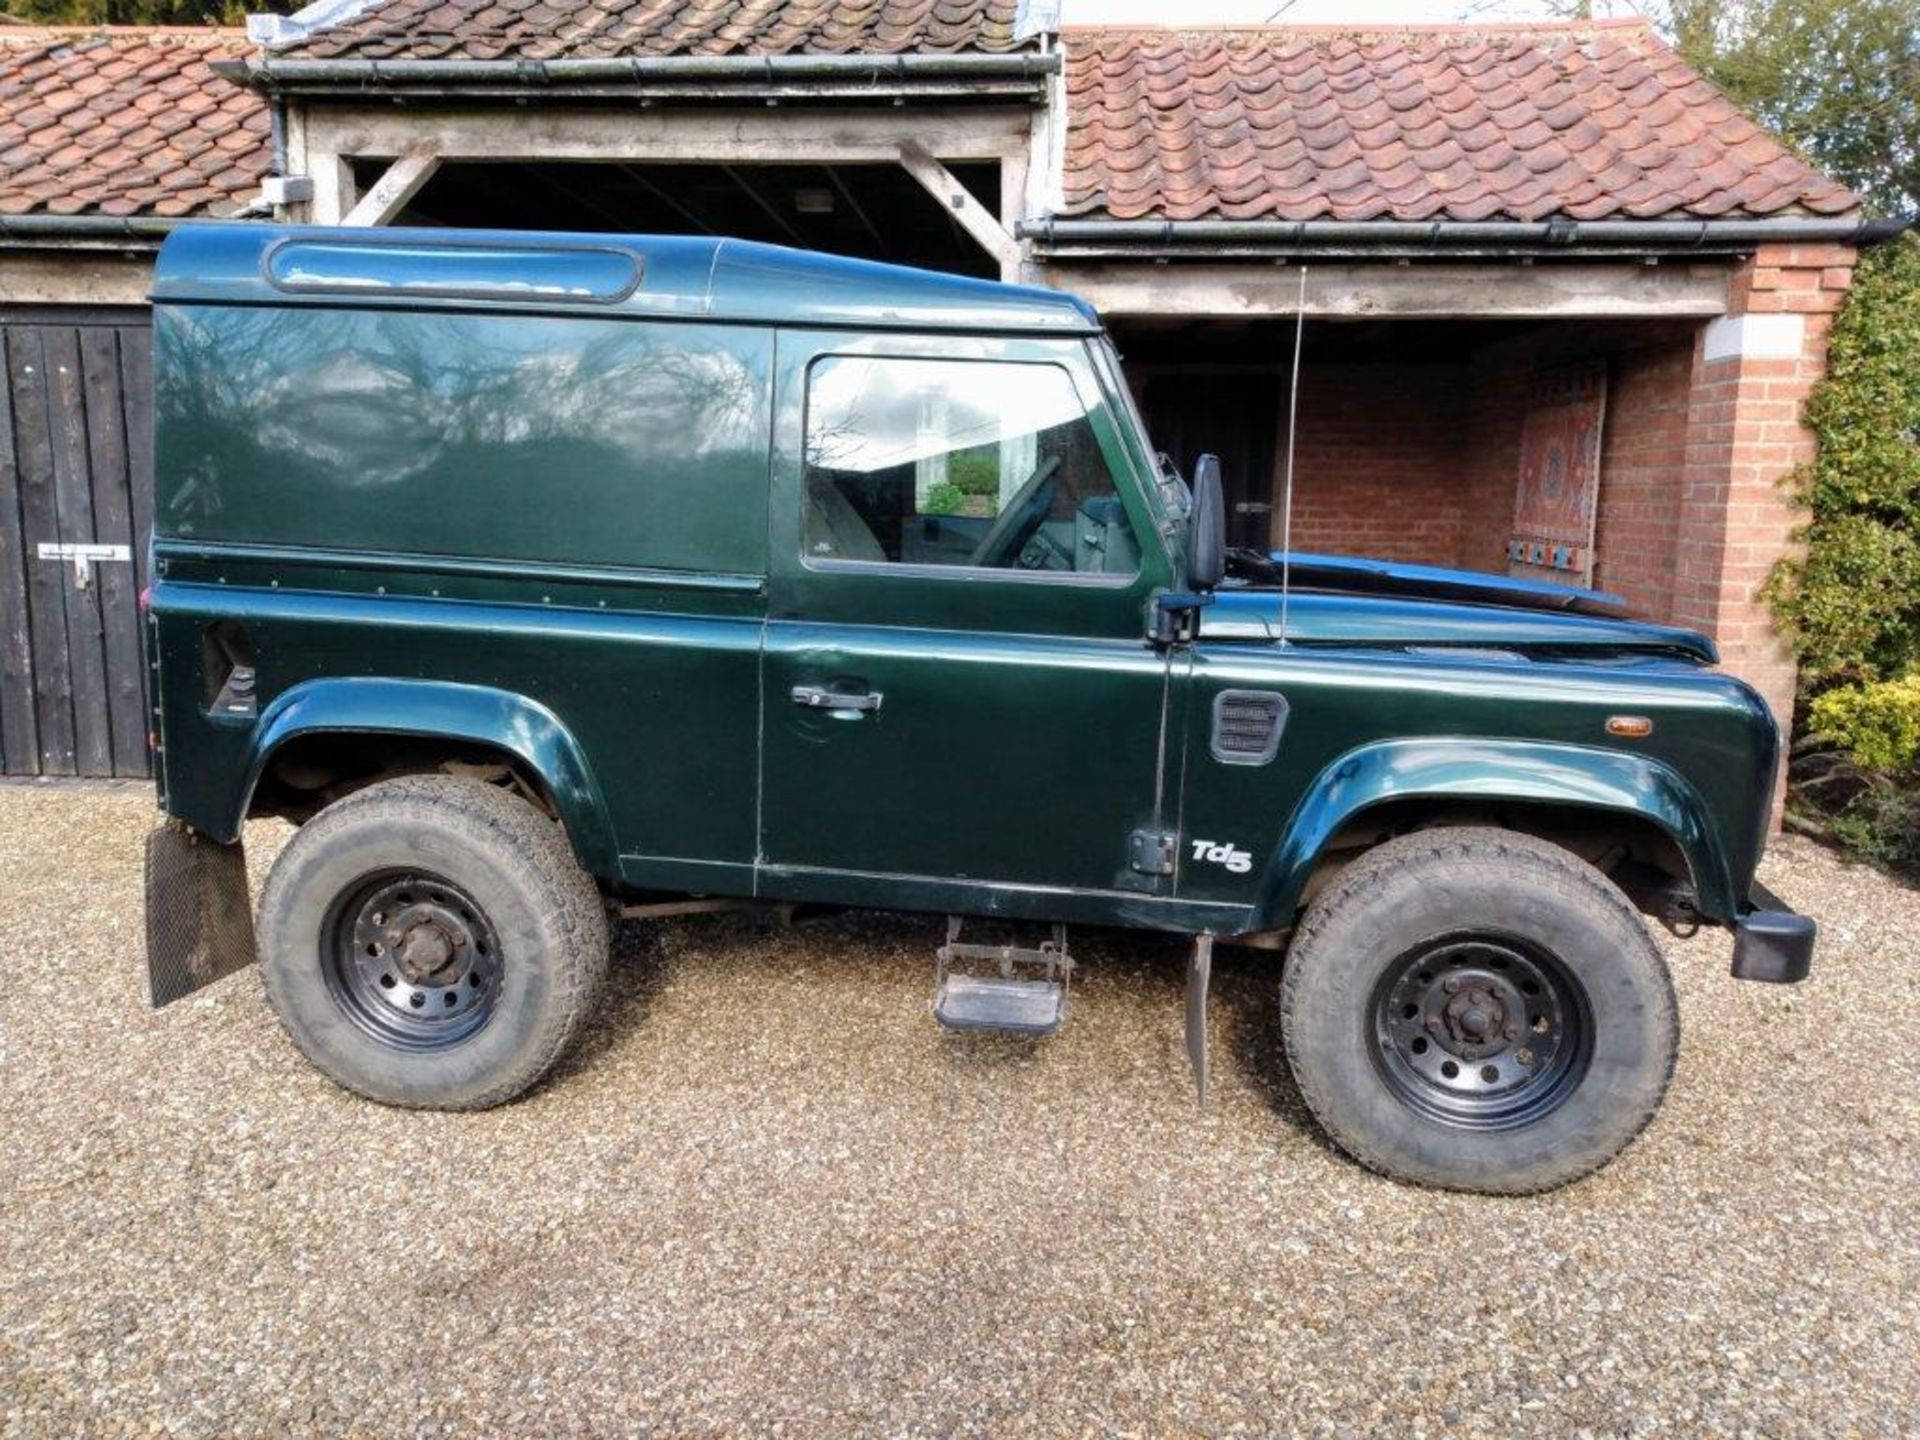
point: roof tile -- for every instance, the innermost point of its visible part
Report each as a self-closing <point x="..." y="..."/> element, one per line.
<point x="1587" y="121"/>
<point x="590" y="29"/>
<point x="110" y="121"/>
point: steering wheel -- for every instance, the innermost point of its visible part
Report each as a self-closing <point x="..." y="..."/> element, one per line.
<point x="1023" y="515"/>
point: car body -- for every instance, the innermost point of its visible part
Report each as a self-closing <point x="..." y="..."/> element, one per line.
<point x="653" y="531"/>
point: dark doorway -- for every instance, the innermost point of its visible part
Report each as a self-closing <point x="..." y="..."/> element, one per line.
<point x="873" y="212"/>
<point x="1235" y="415"/>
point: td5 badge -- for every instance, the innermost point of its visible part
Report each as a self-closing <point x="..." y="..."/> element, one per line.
<point x="1236" y="860"/>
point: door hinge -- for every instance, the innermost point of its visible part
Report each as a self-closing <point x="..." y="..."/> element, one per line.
<point x="1152" y="852"/>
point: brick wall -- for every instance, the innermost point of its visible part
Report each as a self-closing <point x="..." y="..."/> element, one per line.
<point x="1495" y="400"/>
<point x="1642" y="460"/>
<point x="1751" y="373"/>
<point x="1418" y="462"/>
<point x="1378" y="471"/>
<point x="1642" y="469"/>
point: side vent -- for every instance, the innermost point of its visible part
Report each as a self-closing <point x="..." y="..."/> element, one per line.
<point x="1247" y="726"/>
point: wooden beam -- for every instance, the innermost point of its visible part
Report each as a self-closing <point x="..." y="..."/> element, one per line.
<point x="93" y="278"/>
<point x="1386" y="291"/>
<point x="333" y="192"/>
<point x="739" y="137"/>
<point x="300" y="213"/>
<point x="1013" y="190"/>
<point x="961" y="207"/>
<point x="388" y="195"/>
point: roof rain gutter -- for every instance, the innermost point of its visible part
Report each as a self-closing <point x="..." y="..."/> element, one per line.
<point x="104" y="232"/>
<point x="1229" y="239"/>
<point x="667" y="76"/>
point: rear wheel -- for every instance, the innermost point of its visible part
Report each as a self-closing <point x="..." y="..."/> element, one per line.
<point x="431" y="942"/>
<point x="1479" y="1010"/>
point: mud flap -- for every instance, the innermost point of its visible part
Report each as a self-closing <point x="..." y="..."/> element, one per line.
<point x="1199" y="973"/>
<point x="199" y="915"/>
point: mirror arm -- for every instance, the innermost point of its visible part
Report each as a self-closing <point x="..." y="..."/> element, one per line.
<point x="1176" y="616"/>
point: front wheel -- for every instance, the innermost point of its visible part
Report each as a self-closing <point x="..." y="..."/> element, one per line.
<point x="1478" y="1010"/>
<point x="430" y="941"/>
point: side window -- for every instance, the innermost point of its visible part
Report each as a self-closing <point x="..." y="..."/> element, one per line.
<point x="958" y="462"/>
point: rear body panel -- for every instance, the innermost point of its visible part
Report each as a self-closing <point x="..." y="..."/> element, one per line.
<point x="567" y="510"/>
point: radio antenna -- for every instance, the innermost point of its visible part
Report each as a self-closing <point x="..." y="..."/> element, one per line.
<point x="1286" y="483"/>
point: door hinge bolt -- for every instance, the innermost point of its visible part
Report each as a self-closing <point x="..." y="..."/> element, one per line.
<point x="1152" y="852"/>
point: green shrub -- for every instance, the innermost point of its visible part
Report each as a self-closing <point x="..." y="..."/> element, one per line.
<point x="1878" y="725"/>
<point x="943" y="498"/>
<point x="1881" y="823"/>
<point x="1873" y="814"/>
<point x="1852" y="606"/>
<point x="977" y="471"/>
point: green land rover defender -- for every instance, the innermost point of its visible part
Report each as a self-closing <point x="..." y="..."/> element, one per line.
<point x="545" y="579"/>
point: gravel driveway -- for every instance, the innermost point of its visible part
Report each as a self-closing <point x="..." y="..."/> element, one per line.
<point x="769" y="1196"/>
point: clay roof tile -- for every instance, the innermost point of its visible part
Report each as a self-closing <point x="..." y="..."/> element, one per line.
<point x="112" y="121"/>
<point x="1457" y="122"/>
<point x="553" y="29"/>
<point x="1587" y="121"/>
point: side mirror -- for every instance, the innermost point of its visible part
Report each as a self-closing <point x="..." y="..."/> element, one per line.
<point x="1207" y="526"/>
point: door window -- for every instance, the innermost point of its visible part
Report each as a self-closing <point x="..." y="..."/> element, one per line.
<point x="959" y="463"/>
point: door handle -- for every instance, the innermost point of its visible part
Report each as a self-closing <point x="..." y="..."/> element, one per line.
<point x="837" y="703"/>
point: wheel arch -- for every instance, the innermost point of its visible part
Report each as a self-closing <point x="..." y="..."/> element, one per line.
<point x="1542" y="788"/>
<point x="429" y="718"/>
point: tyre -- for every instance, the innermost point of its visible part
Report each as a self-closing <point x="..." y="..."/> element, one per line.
<point x="1478" y="1010"/>
<point x="431" y="942"/>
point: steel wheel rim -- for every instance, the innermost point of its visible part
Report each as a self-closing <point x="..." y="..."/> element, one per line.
<point x="1481" y="1030"/>
<point x="412" y="959"/>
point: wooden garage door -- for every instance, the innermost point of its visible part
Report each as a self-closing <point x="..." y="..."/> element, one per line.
<point x="76" y="469"/>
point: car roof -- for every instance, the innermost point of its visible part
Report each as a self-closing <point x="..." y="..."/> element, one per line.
<point x="695" y="277"/>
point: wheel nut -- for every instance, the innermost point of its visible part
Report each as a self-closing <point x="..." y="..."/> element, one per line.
<point x="1513" y="1032"/>
<point x="1433" y="1024"/>
<point x="1452" y="987"/>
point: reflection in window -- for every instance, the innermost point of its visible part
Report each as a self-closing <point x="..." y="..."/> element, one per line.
<point x="958" y="462"/>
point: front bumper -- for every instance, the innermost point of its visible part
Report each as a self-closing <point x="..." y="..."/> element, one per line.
<point x="1772" y="942"/>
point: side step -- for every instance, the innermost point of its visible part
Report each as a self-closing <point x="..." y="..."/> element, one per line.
<point x="1001" y="999"/>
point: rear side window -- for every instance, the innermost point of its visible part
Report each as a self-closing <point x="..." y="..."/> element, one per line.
<point x="976" y="463"/>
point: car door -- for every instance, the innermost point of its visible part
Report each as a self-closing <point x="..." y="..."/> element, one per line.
<point x="958" y="699"/>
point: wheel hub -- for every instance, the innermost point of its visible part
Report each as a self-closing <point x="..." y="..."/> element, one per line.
<point x="414" y="959"/>
<point x="1478" y="1031"/>
<point x="1472" y="1009"/>
<point x="424" y="945"/>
